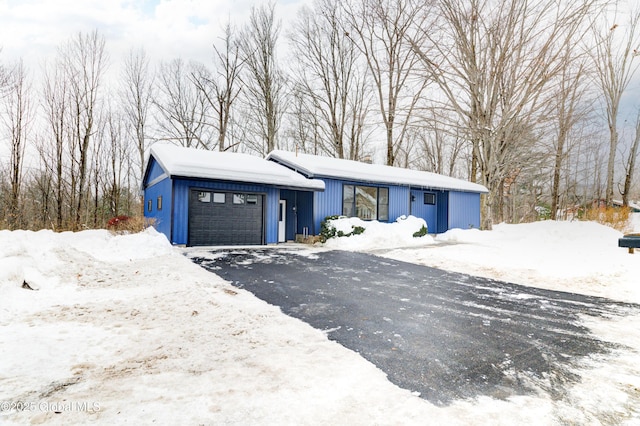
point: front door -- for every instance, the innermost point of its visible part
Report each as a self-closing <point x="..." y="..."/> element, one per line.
<point x="282" y="222"/>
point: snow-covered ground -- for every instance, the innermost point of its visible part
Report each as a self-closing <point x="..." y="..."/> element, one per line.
<point x="579" y="257"/>
<point x="125" y="329"/>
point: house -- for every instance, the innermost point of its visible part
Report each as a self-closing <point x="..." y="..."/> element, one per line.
<point x="372" y="191"/>
<point x="201" y="197"/>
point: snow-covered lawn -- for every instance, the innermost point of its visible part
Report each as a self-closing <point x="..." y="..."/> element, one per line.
<point x="578" y="257"/>
<point x="125" y="329"/>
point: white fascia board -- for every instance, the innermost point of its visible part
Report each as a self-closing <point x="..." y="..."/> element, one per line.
<point x="318" y="167"/>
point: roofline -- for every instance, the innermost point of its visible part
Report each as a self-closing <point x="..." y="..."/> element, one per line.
<point x="274" y="185"/>
<point x="301" y="170"/>
<point x="308" y="174"/>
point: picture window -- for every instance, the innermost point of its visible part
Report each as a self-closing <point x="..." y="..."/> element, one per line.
<point x="365" y="202"/>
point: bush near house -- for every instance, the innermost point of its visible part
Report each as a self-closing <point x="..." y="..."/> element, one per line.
<point x="328" y="230"/>
<point x="421" y="233"/>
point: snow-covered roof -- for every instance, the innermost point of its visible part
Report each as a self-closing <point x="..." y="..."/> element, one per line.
<point x="228" y="166"/>
<point x="314" y="166"/>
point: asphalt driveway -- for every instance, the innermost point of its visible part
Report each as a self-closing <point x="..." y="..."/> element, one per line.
<point x="443" y="334"/>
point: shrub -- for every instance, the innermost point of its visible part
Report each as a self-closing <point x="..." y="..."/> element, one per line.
<point x="421" y="233"/>
<point x="327" y="230"/>
<point x="129" y="224"/>
<point x="615" y="217"/>
<point x="357" y="230"/>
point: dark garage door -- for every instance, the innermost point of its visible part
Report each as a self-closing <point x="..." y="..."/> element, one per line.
<point x="225" y="218"/>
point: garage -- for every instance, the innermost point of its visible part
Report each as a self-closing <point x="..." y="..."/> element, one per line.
<point x="225" y="218"/>
<point x="210" y="198"/>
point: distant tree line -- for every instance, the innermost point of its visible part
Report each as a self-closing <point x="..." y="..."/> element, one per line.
<point x="523" y="97"/>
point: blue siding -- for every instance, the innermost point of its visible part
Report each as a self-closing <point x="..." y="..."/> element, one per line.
<point x="155" y="170"/>
<point x="327" y="203"/>
<point x="181" y="189"/>
<point x="464" y="210"/>
<point x="399" y="200"/>
<point x="428" y="212"/>
<point x="162" y="217"/>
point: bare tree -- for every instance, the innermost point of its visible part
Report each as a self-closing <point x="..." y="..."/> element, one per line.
<point x="137" y="93"/>
<point x="183" y="109"/>
<point x="381" y="30"/>
<point x="567" y="110"/>
<point x="494" y="65"/>
<point x="304" y="130"/>
<point x="222" y="88"/>
<point x="16" y="121"/>
<point x="330" y="78"/>
<point x="630" y="164"/>
<point x="440" y="145"/>
<point x="84" y="59"/>
<point x="264" y="82"/>
<point x="616" y="46"/>
<point x="56" y="106"/>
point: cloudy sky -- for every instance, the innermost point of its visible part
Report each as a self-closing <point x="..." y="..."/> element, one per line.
<point x="166" y="29"/>
<point x="33" y="29"/>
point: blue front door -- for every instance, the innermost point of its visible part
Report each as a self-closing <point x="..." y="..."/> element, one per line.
<point x="424" y="205"/>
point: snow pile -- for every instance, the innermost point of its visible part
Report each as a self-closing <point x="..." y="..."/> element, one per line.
<point x="30" y="256"/>
<point x="581" y="257"/>
<point x="576" y="256"/>
<point x="105" y="246"/>
<point x="378" y="235"/>
<point x="125" y="329"/>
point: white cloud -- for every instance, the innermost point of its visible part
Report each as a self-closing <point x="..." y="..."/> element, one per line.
<point x="167" y="29"/>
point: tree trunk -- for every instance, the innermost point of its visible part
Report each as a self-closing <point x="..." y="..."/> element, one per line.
<point x="555" y="190"/>
<point x="631" y="165"/>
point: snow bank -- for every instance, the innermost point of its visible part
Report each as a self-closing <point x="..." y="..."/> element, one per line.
<point x="580" y="257"/>
<point x="105" y="246"/>
<point x="31" y="256"/>
<point x="125" y="329"/>
<point x="577" y="256"/>
<point x="129" y="330"/>
<point x="379" y="235"/>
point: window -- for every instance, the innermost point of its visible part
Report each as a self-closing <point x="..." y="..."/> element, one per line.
<point x="383" y="203"/>
<point x="252" y="199"/>
<point x="429" y="198"/>
<point x="348" y="200"/>
<point x="238" y="198"/>
<point x="365" y="202"/>
<point x="204" y="197"/>
<point x="149" y="205"/>
<point x="219" y="197"/>
<point x="159" y="203"/>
